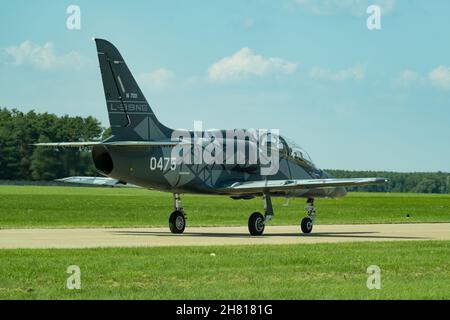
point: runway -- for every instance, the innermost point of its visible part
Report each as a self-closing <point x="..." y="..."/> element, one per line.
<point x="211" y="236"/>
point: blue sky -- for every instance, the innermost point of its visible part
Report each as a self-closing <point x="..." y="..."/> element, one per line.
<point x="354" y="98"/>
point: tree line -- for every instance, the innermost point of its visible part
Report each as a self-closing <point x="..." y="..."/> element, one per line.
<point x="415" y="182"/>
<point x="19" y="160"/>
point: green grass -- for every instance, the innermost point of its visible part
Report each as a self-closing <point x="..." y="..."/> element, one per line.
<point x="23" y="206"/>
<point x="410" y="270"/>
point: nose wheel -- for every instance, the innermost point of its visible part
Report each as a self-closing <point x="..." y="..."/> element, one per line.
<point x="308" y="222"/>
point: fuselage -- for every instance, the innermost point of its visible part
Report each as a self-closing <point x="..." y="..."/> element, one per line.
<point x="153" y="167"/>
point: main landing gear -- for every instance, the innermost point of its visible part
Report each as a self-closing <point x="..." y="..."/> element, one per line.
<point x="177" y="220"/>
<point x="257" y="221"/>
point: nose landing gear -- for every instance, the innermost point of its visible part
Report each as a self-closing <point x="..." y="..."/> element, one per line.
<point x="308" y="222"/>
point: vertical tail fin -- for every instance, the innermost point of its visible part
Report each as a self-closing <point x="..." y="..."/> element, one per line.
<point x="130" y="115"/>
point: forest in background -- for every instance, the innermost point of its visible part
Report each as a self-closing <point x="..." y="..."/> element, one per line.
<point x="19" y="160"/>
<point x="415" y="182"/>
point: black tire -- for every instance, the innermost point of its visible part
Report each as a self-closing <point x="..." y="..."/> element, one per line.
<point x="307" y="225"/>
<point x="177" y="222"/>
<point x="256" y="224"/>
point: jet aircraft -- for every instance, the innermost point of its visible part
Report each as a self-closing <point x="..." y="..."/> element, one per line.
<point x="140" y="153"/>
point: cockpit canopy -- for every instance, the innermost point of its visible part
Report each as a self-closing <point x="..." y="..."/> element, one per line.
<point x="289" y="148"/>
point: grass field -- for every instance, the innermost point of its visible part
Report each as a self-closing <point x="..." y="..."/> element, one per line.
<point x="23" y="206"/>
<point x="409" y="270"/>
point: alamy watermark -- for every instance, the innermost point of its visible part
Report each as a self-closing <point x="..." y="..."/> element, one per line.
<point x="374" y="279"/>
<point x="374" y="20"/>
<point x="74" y="280"/>
<point x="233" y="147"/>
<point x="73" y="21"/>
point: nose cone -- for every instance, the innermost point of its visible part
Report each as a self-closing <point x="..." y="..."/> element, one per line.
<point x="339" y="192"/>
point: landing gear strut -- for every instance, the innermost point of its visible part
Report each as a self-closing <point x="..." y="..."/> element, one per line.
<point x="257" y="222"/>
<point x="308" y="222"/>
<point x="177" y="220"/>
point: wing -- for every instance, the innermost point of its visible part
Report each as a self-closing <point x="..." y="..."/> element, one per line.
<point x="285" y="185"/>
<point x="168" y="143"/>
<point x="99" y="181"/>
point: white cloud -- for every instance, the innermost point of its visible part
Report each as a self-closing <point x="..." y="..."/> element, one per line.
<point x="245" y="62"/>
<point x="156" y="80"/>
<point x="356" y="72"/>
<point x="406" y="78"/>
<point x="43" y="57"/>
<point x="440" y="77"/>
<point x="338" y="7"/>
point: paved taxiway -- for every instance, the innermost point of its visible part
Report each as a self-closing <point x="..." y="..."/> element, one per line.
<point x="200" y="236"/>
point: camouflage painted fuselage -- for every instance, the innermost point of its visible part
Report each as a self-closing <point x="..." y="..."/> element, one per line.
<point x="139" y="166"/>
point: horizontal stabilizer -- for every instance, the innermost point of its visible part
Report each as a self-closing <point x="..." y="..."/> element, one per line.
<point x="99" y="181"/>
<point x="168" y="143"/>
<point x="67" y="144"/>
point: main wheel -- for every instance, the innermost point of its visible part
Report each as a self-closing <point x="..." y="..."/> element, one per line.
<point x="256" y="224"/>
<point x="177" y="222"/>
<point x="307" y="225"/>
